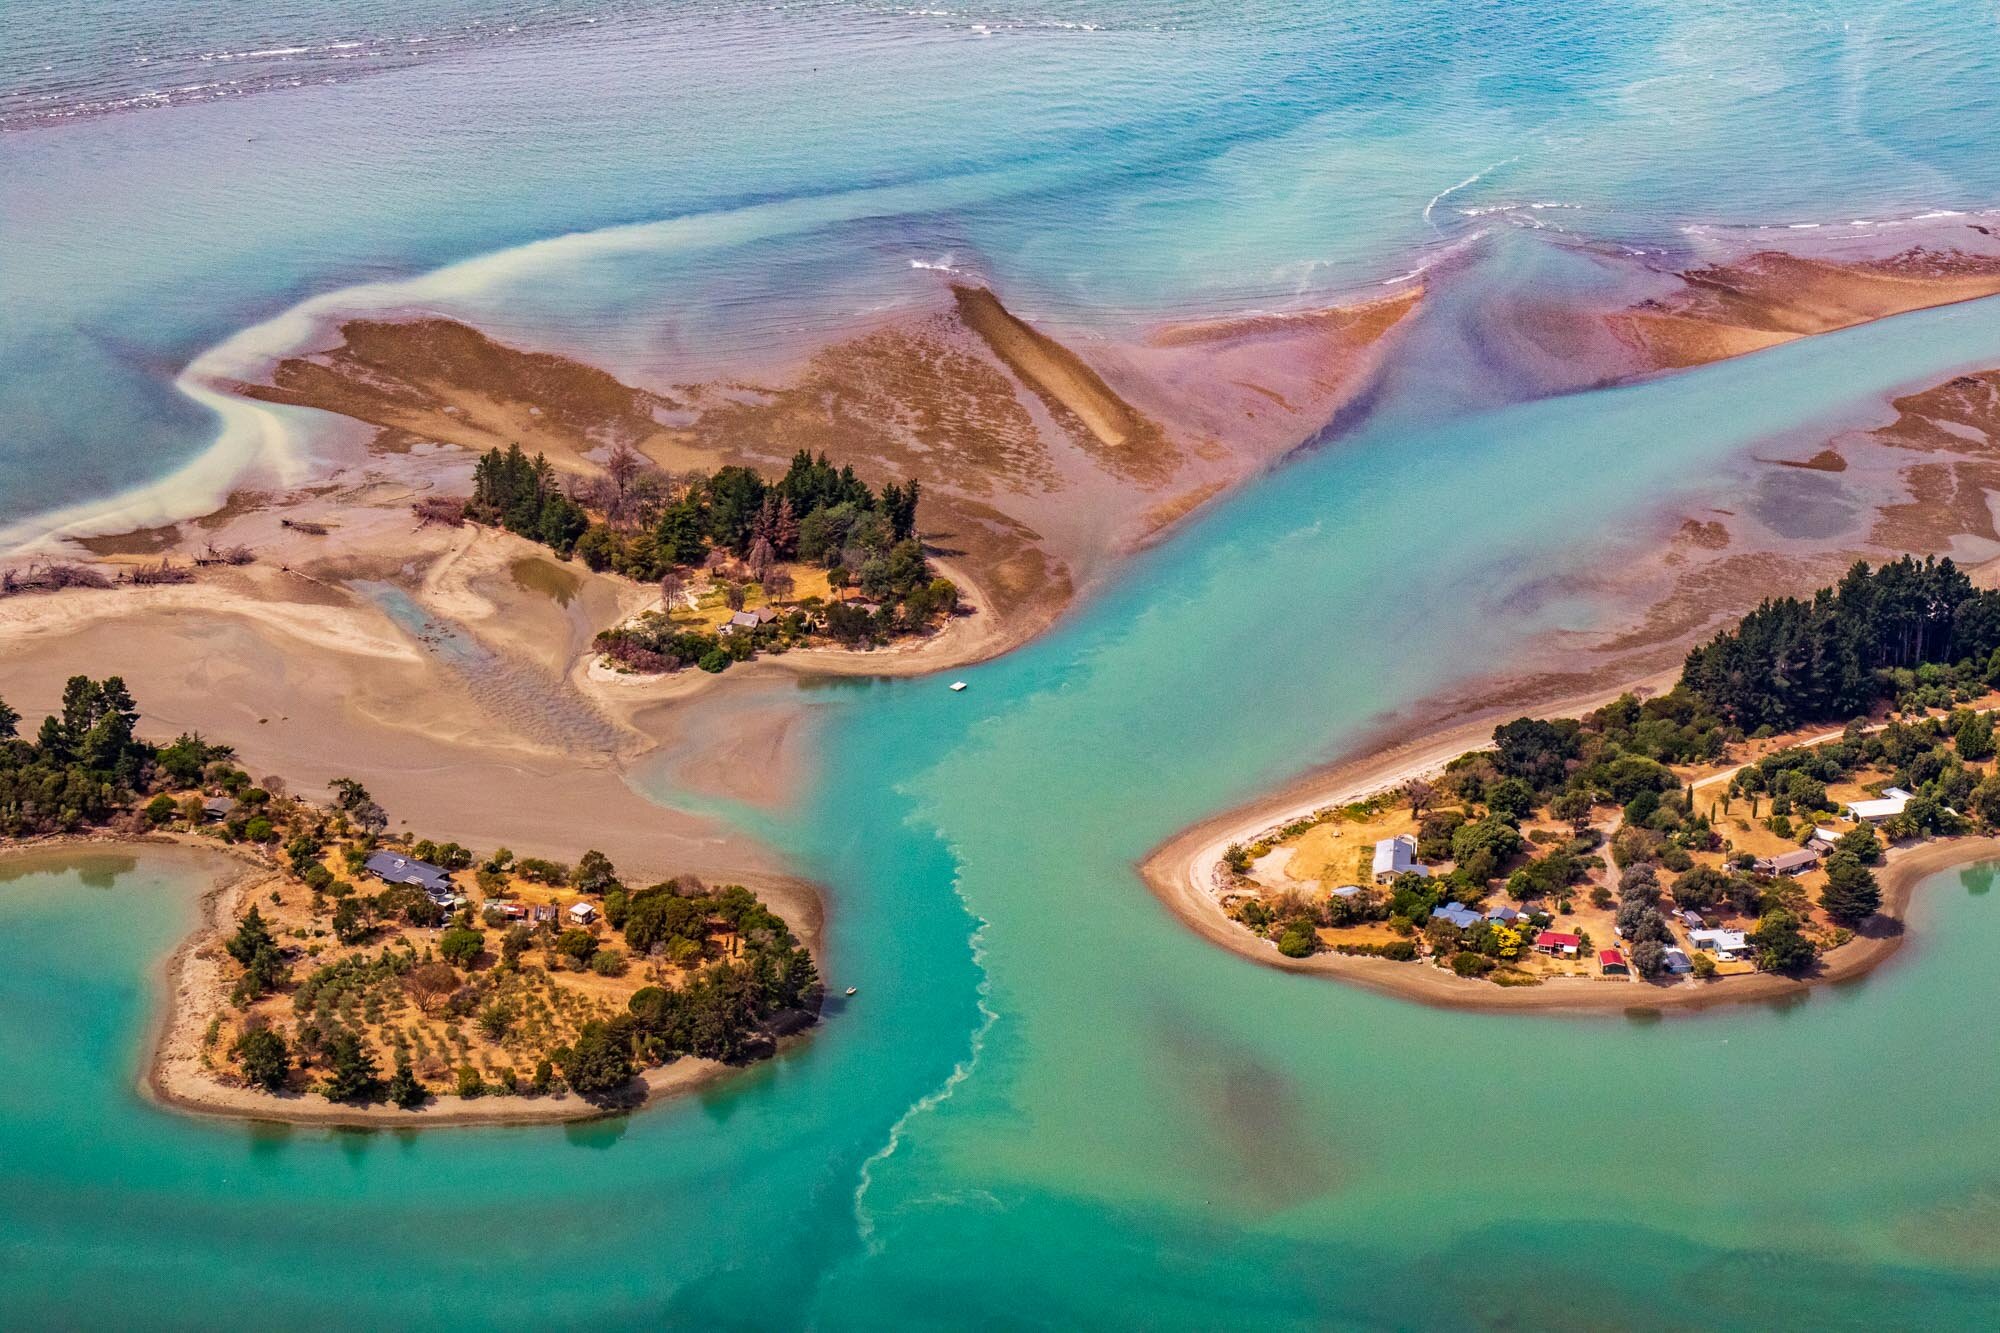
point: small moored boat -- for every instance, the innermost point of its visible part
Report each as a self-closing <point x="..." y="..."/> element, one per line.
<point x="851" y="990"/>
<point x="957" y="685"/>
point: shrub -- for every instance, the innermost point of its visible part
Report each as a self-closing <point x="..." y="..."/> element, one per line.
<point x="1469" y="964"/>
<point x="1298" y="940"/>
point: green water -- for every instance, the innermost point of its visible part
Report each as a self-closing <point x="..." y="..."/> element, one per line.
<point x="546" y="577"/>
<point x="1051" y="1105"/>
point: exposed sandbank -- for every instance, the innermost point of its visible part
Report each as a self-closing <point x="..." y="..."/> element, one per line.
<point x="1741" y="305"/>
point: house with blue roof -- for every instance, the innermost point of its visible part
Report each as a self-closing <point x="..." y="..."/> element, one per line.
<point x="1458" y="914"/>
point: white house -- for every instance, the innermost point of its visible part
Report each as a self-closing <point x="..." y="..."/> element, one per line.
<point x="1888" y="806"/>
<point x="1397" y="856"/>
<point x="582" y="913"/>
<point x="1728" y="945"/>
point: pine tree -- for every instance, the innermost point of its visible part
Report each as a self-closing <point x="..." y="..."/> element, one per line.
<point x="251" y="935"/>
<point x="1851" y="894"/>
<point x="265" y="1058"/>
<point x="404" y="1090"/>
<point x="353" y="1074"/>
<point x="1975" y="738"/>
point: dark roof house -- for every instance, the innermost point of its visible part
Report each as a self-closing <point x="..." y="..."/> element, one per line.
<point x="763" y="615"/>
<point x="394" y="868"/>
<point x="1789" y="863"/>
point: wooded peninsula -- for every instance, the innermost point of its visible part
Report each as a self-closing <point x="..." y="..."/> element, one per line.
<point x="1715" y="830"/>
<point x="370" y="968"/>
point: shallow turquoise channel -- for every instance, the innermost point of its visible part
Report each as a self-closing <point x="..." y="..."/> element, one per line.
<point x="1050" y="1104"/>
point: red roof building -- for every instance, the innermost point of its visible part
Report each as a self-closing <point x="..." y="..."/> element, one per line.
<point x="1610" y="958"/>
<point x="1555" y="941"/>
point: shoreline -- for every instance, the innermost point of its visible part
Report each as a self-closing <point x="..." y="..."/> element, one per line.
<point x="1181" y="870"/>
<point x="173" y="1076"/>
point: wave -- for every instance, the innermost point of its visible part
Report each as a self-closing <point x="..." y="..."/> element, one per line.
<point x="864" y="1217"/>
<point x="1448" y="191"/>
<point x="84" y="86"/>
<point x="1862" y="225"/>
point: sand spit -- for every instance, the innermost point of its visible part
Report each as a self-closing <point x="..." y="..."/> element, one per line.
<point x="1878" y="942"/>
<point x="1133" y="445"/>
<point x="435" y="379"/>
<point x="1770" y="297"/>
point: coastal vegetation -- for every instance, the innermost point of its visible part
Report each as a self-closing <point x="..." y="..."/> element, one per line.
<point x="1701" y="833"/>
<point x="778" y="558"/>
<point x="365" y="967"/>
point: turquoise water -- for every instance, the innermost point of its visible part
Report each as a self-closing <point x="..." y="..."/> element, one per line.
<point x="1050" y="1105"/>
<point x="735" y="179"/>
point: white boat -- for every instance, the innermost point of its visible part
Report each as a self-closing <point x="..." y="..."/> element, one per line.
<point x="957" y="685"/>
<point x="851" y="990"/>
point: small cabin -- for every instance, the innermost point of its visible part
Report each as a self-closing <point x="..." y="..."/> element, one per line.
<point x="1612" y="963"/>
<point x="1788" y="863"/>
<point x="1728" y="945"/>
<point x="582" y="914"/>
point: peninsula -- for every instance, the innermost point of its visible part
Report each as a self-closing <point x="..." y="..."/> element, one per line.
<point x="1757" y="827"/>
<point x="344" y="974"/>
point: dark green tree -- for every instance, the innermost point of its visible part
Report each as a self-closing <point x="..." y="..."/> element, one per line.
<point x="264" y="1056"/>
<point x="1781" y="946"/>
<point x="404" y="1090"/>
<point x="352" y="1076"/>
<point x="251" y="935"/>
<point x="1851" y="894"/>
<point x="599" y="1062"/>
<point x="461" y="945"/>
